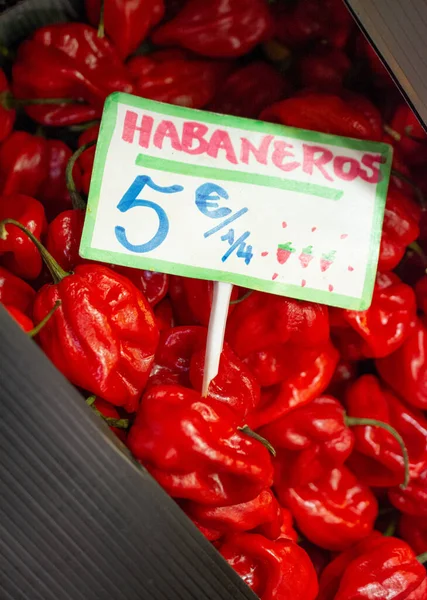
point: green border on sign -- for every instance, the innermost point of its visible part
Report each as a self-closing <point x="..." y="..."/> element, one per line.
<point x="108" y="125"/>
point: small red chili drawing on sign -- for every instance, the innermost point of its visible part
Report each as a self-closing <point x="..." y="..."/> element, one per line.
<point x="264" y="253"/>
<point x="330" y="288"/>
<point x="303" y="283"/>
<point x="306" y="256"/>
<point x="275" y="275"/>
<point x="313" y="228"/>
<point x="350" y="268"/>
<point x="327" y="260"/>
<point x="284" y="224"/>
<point x="284" y="251"/>
<point x="343" y="236"/>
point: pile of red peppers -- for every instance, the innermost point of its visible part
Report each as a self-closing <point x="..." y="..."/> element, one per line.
<point x="306" y="464"/>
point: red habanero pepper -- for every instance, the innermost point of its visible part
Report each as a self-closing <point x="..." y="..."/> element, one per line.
<point x="333" y="512"/>
<point x="195" y="450"/>
<point x="68" y="60"/>
<point x="21" y="318"/>
<point x="261" y="515"/>
<point x="249" y="90"/>
<point x="229" y="28"/>
<point x="192" y="300"/>
<point x="152" y="284"/>
<point x="17" y="252"/>
<point x="367" y="108"/>
<point x="413" y="529"/>
<point x="126" y="23"/>
<point x="24" y="163"/>
<point x="180" y="360"/>
<point x="345" y="373"/>
<point x="176" y="78"/>
<point x="265" y="320"/>
<point x="85" y="160"/>
<point x="400" y="228"/>
<point x="310" y="372"/>
<point x="63" y="238"/>
<point x="310" y="441"/>
<point x="164" y="315"/>
<point x="405" y="371"/>
<point x="413" y="499"/>
<point x="376" y="567"/>
<point x="299" y="23"/>
<point x="16" y="292"/>
<point x="409" y="136"/>
<point x="53" y="192"/>
<point x="324" y="69"/>
<point x="7" y="115"/>
<point x="103" y="336"/>
<point x="274" y="570"/>
<point x="377" y="460"/>
<point x="340" y="21"/>
<point x="382" y="328"/>
<point x="321" y="112"/>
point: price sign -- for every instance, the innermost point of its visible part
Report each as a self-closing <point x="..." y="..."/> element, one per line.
<point x="263" y="206"/>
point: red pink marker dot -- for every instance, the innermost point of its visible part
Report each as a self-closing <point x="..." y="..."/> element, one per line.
<point x="284" y="224"/>
<point x="303" y="283"/>
<point x="313" y="228"/>
<point x="343" y="236"/>
<point x="275" y="275"/>
<point x="330" y="288"/>
<point x="264" y="253"/>
<point x="350" y="268"/>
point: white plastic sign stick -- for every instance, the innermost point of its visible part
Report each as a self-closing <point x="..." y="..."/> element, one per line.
<point x="216" y="332"/>
<point x="259" y="205"/>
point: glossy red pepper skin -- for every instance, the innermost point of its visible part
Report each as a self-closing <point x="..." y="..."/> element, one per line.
<point x="16" y="292"/>
<point x="265" y="320"/>
<point x="17" y="251"/>
<point x="194" y="450"/>
<point x="405" y="370"/>
<point x="310" y="441"/>
<point x="414" y="531"/>
<point x="334" y="512"/>
<point x="413" y="499"/>
<point x="7" y="115"/>
<point x="68" y="60"/>
<point x="63" y="238"/>
<point x="53" y="192"/>
<point x="421" y="294"/>
<point x="103" y="336"/>
<point x="321" y="112"/>
<point x="400" y="228"/>
<point x="249" y="90"/>
<point x="24" y="163"/>
<point x="108" y="410"/>
<point x="85" y="160"/>
<point x="262" y="515"/>
<point x="152" y="284"/>
<point x="180" y="360"/>
<point x="21" y="318"/>
<point x="382" y="328"/>
<point x="126" y="23"/>
<point x="164" y="315"/>
<point x="224" y="29"/>
<point x="413" y="142"/>
<point x="299" y="23"/>
<point x="377" y="567"/>
<point x="378" y="459"/>
<point x="192" y="300"/>
<point x="362" y="104"/>
<point x="309" y="375"/>
<point x="324" y="69"/>
<point x="275" y="570"/>
<point x="176" y="78"/>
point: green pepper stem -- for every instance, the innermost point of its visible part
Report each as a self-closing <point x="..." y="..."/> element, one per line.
<point x="111" y="421"/>
<point x="391" y="529"/>
<point x="6" y="53"/>
<point x="83" y="126"/>
<point x="33" y="332"/>
<point x="8" y="101"/>
<point x="242" y="299"/>
<point x="56" y="271"/>
<point x="76" y="198"/>
<point x="422" y="558"/>
<point x="356" y="422"/>
<point x="248" y="431"/>
<point x="416" y="248"/>
<point x="392" y="133"/>
<point x="101" y="27"/>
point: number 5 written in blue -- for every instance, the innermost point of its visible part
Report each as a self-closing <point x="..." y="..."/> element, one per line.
<point x="131" y="200"/>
